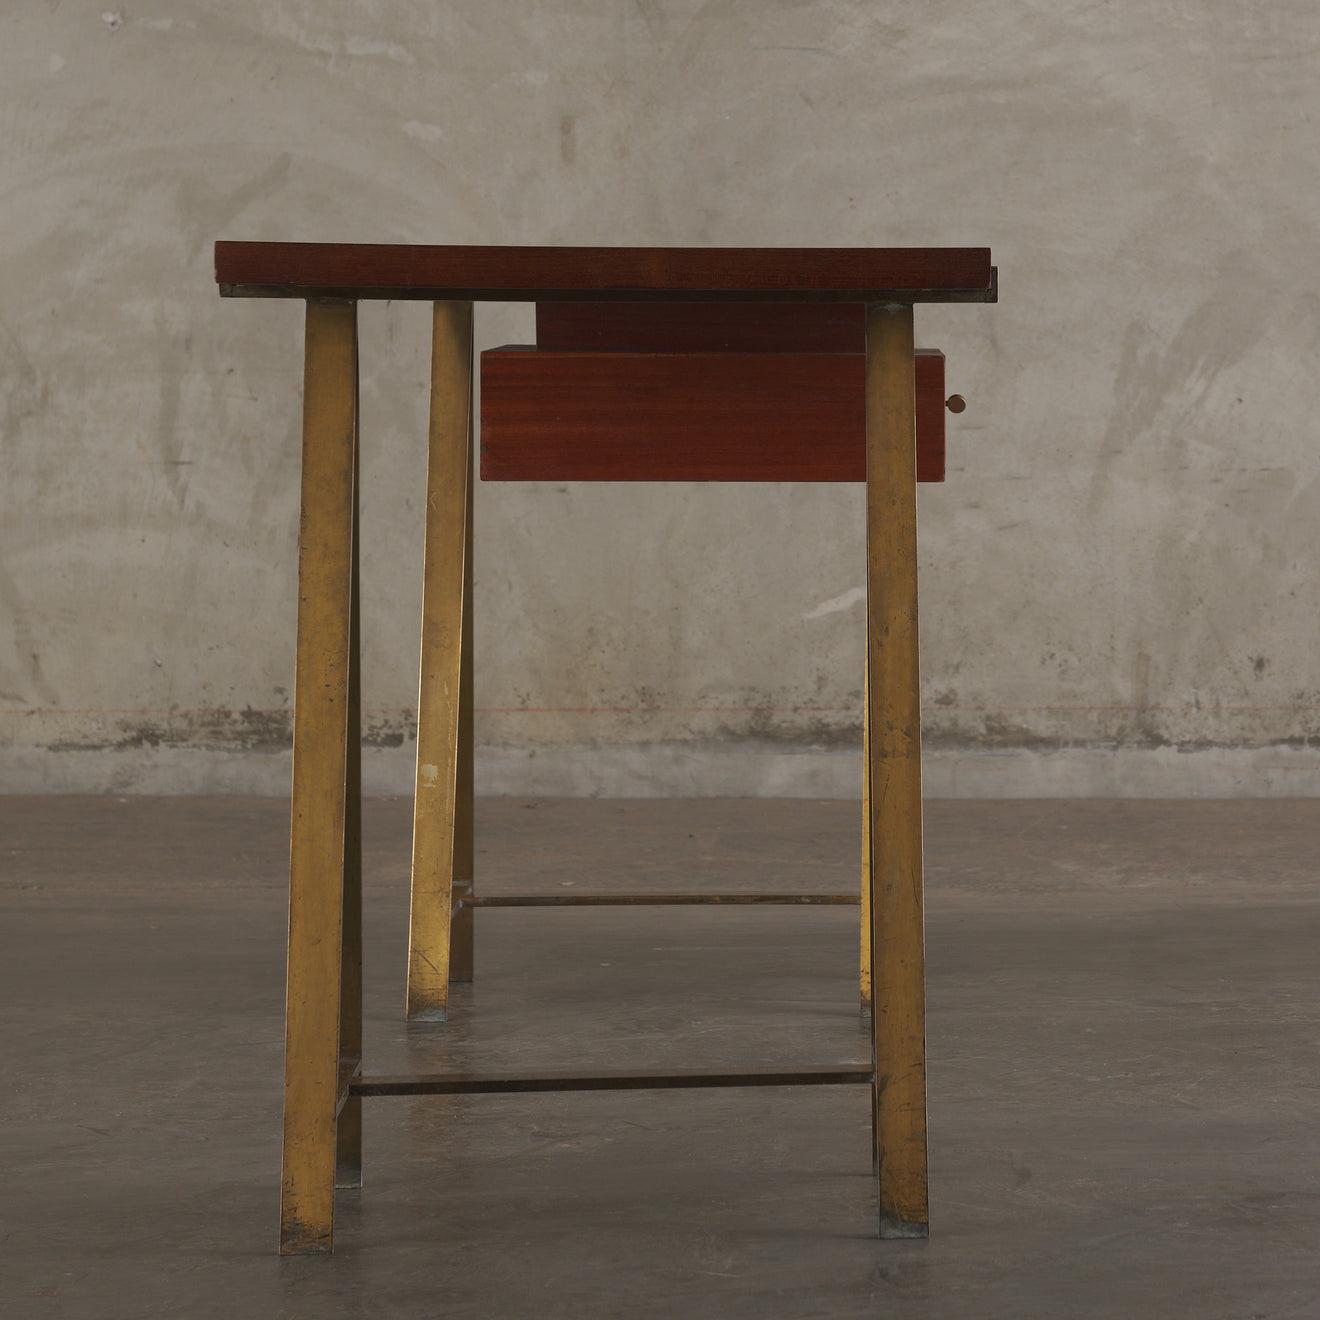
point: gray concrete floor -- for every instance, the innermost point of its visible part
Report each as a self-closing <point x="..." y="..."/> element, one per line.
<point x="1123" y="1009"/>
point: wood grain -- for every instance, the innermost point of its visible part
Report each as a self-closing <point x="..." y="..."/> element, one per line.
<point x="442" y="272"/>
<point x="696" y="327"/>
<point x="548" y="416"/>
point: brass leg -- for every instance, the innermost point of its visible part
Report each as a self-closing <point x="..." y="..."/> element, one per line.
<point x="894" y="762"/>
<point x="866" y="843"/>
<point x="320" y="750"/>
<point x="460" y="929"/>
<point x="348" y="1161"/>
<point x="436" y="823"/>
<point x="866" y="889"/>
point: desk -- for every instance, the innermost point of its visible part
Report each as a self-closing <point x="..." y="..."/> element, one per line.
<point x="324" y="1084"/>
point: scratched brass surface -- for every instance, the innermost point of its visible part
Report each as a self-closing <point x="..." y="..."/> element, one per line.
<point x="462" y="919"/>
<point x="893" y="718"/>
<point x="321" y="735"/>
<point x="865" y="976"/>
<point x="441" y="831"/>
<point x="348" y="1137"/>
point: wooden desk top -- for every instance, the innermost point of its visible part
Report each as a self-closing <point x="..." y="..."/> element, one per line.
<point x="530" y="274"/>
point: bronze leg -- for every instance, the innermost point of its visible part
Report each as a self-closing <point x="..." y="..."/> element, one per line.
<point x="320" y="772"/>
<point x="866" y="843"/>
<point x="437" y="823"/>
<point x="461" y="932"/>
<point x="894" y="773"/>
<point x="348" y="1163"/>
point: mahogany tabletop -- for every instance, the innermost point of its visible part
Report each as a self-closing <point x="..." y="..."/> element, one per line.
<point x="526" y="274"/>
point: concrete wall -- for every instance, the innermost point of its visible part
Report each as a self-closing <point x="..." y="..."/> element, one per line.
<point x="1120" y="577"/>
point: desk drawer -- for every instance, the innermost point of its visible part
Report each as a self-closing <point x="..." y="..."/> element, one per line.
<point x="548" y="415"/>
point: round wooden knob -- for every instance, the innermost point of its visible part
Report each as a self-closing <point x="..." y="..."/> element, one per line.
<point x="955" y="403"/>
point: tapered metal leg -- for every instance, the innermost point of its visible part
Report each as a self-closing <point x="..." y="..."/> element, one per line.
<point x="866" y="843"/>
<point x="461" y="932"/>
<point x="866" y="891"/>
<point x="320" y="775"/>
<point x="894" y="765"/>
<point x="438" y="825"/>
<point x="348" y="1162"/>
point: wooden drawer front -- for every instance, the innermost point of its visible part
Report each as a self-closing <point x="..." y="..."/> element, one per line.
<point x="622" y="327"/>
<point x="689" y="416"/>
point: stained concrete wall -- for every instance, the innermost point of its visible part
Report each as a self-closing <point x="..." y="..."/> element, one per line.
<point x="1119" y="577"/>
